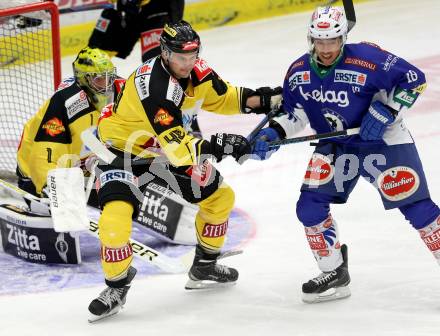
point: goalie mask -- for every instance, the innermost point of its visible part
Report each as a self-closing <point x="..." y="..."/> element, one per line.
<point x="95" y="73"/>
<point x="328" y="24"/>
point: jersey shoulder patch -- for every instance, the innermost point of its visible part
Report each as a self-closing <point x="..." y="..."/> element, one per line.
<point x="201" y="69"/>
<point x="76" y="104"/>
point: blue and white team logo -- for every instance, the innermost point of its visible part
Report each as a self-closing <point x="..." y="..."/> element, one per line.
<point x="299" y="78"/>
<point x="337" y="97"/>
<point x="350" y="77"/>
<point x="335" y="120"/>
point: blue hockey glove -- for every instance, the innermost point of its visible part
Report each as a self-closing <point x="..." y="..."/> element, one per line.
<point x="261" y="149"/>
<point x="375" y="122"/>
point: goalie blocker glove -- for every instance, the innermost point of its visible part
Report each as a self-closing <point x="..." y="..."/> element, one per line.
<point x="270" y="98"/>
<point x="223" y="144"/>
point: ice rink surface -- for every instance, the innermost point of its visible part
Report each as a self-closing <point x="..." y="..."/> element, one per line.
<point x="395" y="280"/>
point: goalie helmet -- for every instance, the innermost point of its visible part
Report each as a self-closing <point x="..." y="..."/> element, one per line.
<point x="179" y="37"/>
<point x="94" y="71"/>
<point x="327" y="23"/>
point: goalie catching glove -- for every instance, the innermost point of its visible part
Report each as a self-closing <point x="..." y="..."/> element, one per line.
<point x="223" y="144"/>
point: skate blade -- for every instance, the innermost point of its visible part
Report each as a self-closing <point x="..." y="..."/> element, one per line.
<point x="207" y="284"/>
<point x="94" y="318"/>
<point x="329" y="295"/>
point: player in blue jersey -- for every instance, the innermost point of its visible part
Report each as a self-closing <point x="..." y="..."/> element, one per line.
<point x="339" y="86"/>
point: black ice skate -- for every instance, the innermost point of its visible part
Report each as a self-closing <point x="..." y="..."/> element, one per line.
<point x="112" y="299"/>
<point x="206" y="273"/>
<point x="329" y="285"/>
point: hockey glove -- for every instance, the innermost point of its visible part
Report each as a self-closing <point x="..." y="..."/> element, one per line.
<point x="223" y="144"/>
<point x="261" y="149"/>
<point x="269" y="99"/>
<point x="375" y="122"/>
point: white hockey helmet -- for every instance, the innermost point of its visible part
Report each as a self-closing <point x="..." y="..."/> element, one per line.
<point x="327" y="23"/>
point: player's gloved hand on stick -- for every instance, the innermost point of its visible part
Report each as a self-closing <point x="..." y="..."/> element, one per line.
<point x="261" y="150"/>
<point x="375" y="122"/>
<point x="270" y="98"/>
<point x="237" y="146"/>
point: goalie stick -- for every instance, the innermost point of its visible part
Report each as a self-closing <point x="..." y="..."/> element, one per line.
<point x="143" y="252"/>
<point x="350" y="131"/>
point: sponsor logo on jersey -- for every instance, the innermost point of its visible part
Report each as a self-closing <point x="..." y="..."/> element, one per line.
<point x="350" y="77"/>
<point x="150" y="39"/>
<point x="390" y="62"/>
<point x="112" y="255"/>
<point x="76" y="104"/>
<point x="297" y="64"/>
<point x="340" y="97"/>
<point x="202" y="69"/>
<point x="404" y="97"/>
<point x="201" y="173"/>
<point x="174" y="91"/>
<point x="398" y="183"/>
<point x="142" y="83"/>
<point x="102" y="24"/>
<point x="53" y="127"/>
<point x="163" y="118"/>
<point x="214" y="230"/>
<point x="319" y="170"/>
<point x="299" y="78"/>
<point x="420" y="88"/>
<point x="361" y="63"/>
<point x="116" y="175"/>
<point x="145" y="69"/>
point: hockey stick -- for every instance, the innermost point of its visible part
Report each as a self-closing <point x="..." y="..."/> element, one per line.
<point x="349" y="13"/>
<point x="251" y="137"/>
<point x="350" y="131"/>
<point x="92" y="142"/>
<point x="146" y="253"/>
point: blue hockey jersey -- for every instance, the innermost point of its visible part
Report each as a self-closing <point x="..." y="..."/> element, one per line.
<point x="338" y="98"/>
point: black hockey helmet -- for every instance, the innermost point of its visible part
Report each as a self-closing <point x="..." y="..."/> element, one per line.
<point x="179" y="37"/>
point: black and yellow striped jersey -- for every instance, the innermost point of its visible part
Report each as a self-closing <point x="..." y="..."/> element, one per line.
<point x="51" y="138"/>
<point x="153" y="112"/>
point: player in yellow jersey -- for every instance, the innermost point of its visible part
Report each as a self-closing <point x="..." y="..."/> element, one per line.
<point x="51" y="138"/>
<point x="118" y="29"/>
<point x="149" y="119"/>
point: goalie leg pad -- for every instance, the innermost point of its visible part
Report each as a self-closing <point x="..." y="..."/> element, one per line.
<point x="114" y="233"/>
<point x="212" y="218"/>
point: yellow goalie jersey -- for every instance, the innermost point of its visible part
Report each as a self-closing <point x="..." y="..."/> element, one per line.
<point x="51" y="138"/>
<point x="154" y="110"/>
